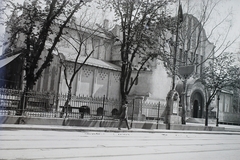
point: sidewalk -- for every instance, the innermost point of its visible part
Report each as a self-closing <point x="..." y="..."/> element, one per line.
<point x="85" y="125"/>
<point x="229" y="129"/>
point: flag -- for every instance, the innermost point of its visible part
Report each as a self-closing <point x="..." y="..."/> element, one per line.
<point x="180" y="14"/>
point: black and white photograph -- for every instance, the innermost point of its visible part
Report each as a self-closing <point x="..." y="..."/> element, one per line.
<point x="119" y="79"/>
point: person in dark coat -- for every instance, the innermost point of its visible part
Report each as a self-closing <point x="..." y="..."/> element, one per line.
<point x="123" y="116"/>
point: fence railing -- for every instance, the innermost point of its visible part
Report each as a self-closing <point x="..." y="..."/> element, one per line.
<point x="153" y="111"/>
<point x="94" y="107"/>
<point x="9" y="100"/>
<point x="49" y="105"/>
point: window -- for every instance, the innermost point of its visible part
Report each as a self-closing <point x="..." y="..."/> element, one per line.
<point x="192" y="56"/>
<point x="185" y="57"/>
<point x="180" y="57"/>
<point x="201" y="61"/>
<point x="89" y="46"/>
<point x="196" y="62"/>
<point x="96" y="43"/>
<point x="189" y="34"/>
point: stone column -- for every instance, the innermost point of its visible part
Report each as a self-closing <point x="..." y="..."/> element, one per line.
<point x="171" y="112"/>
<point x="135" y="108"/>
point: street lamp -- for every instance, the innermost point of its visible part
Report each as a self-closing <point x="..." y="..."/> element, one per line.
<point x="217" y="114"/>
<point x="179" y="21"/>
<point x="207" y="106"/>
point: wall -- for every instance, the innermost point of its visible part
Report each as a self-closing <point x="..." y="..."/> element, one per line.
<point x="225" y="102"/>
<point x="143" y="83"/>
<point x="85" y="81"/>
<point x="114" y="85"/>
<point x="226" y="112"/>
<point x="229" y="117"/>
<point x="49" y="80"/>
<point x="95" y="82"/>
<point x="161" y="82"/>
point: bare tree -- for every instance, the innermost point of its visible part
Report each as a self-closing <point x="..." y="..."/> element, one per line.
<point x="38" y="25"/>
<point x="142" y="24"/>
<point x="192" y="45"/>
<point x="82" y="32"/>
<point x="193" y="40"/>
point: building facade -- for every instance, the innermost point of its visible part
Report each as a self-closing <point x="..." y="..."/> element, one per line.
<point x="194" y="49"/>
<point x="100" y="75"/>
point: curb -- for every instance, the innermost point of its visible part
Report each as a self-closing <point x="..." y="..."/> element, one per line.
<point x="124" y="130"/>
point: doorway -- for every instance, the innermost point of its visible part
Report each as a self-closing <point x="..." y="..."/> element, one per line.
<point x="195" y="109"/>
<point x="197" y="102"/>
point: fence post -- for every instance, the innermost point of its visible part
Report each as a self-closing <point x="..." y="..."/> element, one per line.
<point x="158" y="113"/>
<point x="132" y="114"/>
<point x="103" y="106"/>
<point x="24" y="103"/>
<point x="103" y="111"/>
<point x="56" y="102"/>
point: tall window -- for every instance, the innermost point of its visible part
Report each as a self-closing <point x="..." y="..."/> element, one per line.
<point x="196" y="62"/>
<point x="185" y="57"/>
<point x="201" y="61"/>
<point x="180" y="57"/>
<point x="89" y="46"/>
<point x="192" y="56"/>
<point x="189" y="34"/>
<point x="96" y="43"/>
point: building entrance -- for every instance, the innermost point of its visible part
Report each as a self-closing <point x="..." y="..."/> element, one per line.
<point x="195" y="109"/>
<point x="197" y="102"/>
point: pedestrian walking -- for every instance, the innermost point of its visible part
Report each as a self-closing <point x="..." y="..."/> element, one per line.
<point x="124" y="116"/>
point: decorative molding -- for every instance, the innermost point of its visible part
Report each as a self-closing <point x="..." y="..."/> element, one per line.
<point x="116" y="77"/>
<point x="87" y="72"/>
<point x="102" y="75"/>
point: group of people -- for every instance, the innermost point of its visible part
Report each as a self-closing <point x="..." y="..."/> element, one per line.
<point x="123" y="116"/>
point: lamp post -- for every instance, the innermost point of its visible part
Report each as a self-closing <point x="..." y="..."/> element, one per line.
<point x="217" y="114"/>
<point x="169" y="106"/>
<point x="208" y="90"/>
<point x="179" y="21"/>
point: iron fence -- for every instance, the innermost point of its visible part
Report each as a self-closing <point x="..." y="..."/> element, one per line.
<point x="50" y="105"/>
<point x="153" y="111"/>
<point x="39" y="104"/>
<point x="9" y="101"/>
<point x="88" y="107"/>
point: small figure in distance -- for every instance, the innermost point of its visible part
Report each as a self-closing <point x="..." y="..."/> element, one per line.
<point x="124" y="116"/>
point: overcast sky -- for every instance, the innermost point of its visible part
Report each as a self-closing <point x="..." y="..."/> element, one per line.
<point x="223" y="8"/>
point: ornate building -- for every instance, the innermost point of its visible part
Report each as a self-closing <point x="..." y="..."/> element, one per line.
<point x="195" y="49"/>
<point x="100" y="74"/>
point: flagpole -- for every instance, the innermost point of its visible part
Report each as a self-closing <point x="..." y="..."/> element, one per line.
<point x="175" y="49"/>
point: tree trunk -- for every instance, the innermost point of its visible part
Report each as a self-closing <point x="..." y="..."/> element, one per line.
<point x="206" y="117"/>
<point x="23" y="101"/>
<point x="21" y="105"/>
<point x="122" y="89"/>
<point x="184" y="102"/>
<point x="66" y="104"/>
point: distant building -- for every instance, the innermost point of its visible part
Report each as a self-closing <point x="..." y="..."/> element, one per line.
<point x="229" y="102"/>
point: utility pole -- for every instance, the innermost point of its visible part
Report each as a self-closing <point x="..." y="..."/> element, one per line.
<point x="169" y="106"/>
<point x="217" y="114"/>
<point x="179" y="20"/>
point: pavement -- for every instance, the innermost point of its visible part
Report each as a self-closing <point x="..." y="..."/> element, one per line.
<point x="66" y="145"/>
<point x="228" y="129"/>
